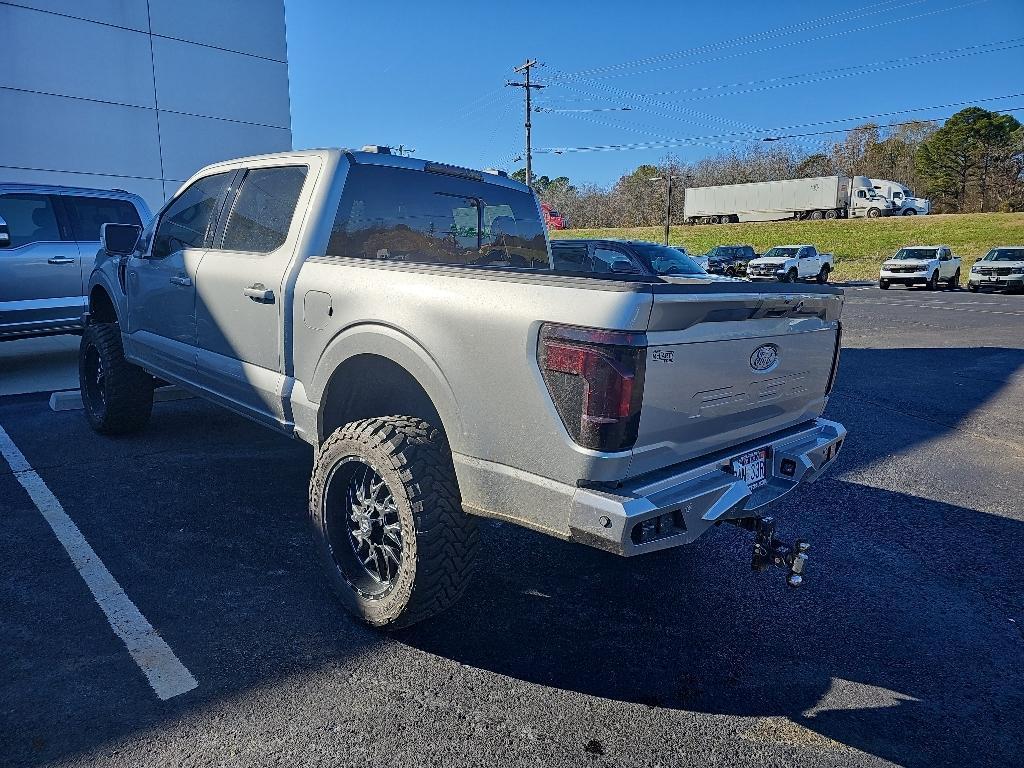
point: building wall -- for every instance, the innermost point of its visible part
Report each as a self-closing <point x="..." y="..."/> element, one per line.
<point x="139" y="94"/>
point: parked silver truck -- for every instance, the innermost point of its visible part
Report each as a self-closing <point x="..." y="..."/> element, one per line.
<point x="49" y="236"/>
<point x="406" y="319"/>
<point x="825" y="197"/>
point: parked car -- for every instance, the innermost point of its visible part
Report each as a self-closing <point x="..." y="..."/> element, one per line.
<point x="730" y="260"/>
<point x="1001" y="267"/>
<point x="623" y="257"/>
<point x="921" y="265"/>
<point x="49" y="237"/>
<point x="553" y="218"/>
<point x="790" y="263"/>
<point x="403" y="317"/>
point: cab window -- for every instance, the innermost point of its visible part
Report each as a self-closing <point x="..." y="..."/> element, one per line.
<point x="30" y="219"/>
<point x="262" y="211"/>
<point x="187" y="221"/>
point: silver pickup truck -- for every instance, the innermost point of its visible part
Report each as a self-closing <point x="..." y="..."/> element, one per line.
<point x="406" y="319"/>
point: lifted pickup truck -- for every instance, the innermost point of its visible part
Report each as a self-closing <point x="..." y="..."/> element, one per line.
<point x="406" y="319"/>
<point x="790" y="263"/>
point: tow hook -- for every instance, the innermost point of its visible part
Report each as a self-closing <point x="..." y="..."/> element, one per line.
<point x="769" y="551"/>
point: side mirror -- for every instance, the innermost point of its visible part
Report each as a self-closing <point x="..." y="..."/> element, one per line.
<point x="5" y="234"/>
<point x="119" y="239"/>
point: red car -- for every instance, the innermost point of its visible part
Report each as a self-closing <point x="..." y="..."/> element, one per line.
<point x="553" y="218"/>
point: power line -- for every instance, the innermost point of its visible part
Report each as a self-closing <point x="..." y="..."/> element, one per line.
<point x="740" y="137"/>
<point x="836" y="18"/>
<point x="779" y="46"/>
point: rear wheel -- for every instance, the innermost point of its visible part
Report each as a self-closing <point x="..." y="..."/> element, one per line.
<point x="388" y="520"/>
<point x="817" y="215"/>
<point x="823" y="274"/>
<point x="883" y="284"/>
<point x="831" y="214"/>
<point x="954" y="281"/>
<point x="730" y="272"/>
<point x="910" y="212"/>
<point x="933" y="281"/>
<point x="117" y="396"/>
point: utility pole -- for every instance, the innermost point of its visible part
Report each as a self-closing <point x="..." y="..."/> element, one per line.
<point x="668" y="200"/>
<point x="524" y="69"/>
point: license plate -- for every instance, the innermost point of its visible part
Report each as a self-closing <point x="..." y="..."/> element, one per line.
<point x="752" y="467"/>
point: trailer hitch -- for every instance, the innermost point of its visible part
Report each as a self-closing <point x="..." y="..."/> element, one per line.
<point x="769" y="551"/>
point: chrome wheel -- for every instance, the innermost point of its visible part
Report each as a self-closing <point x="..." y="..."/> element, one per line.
<point x="363" y="527"/>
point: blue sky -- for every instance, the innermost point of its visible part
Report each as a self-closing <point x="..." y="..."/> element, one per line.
<point x="430" y="74"/>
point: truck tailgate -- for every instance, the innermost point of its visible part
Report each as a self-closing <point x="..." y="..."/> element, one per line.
<point x="731" y="363"/>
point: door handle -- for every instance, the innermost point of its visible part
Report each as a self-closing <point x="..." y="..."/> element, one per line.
<point x="182" y="281"/>
<point x="259" y="293"/>
<point x="60" y="260"/>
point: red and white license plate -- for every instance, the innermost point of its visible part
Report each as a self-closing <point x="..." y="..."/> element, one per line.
<point x="752" y="467"/>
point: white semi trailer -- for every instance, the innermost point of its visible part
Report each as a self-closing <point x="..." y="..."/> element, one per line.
<point x="824" y="197"/>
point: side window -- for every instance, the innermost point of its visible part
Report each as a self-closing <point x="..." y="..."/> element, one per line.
<point x="805" y="253"/>
<point x="571" y="257"/>
<point x="262" y="212"/>
<point x="30" y="218"/>
<point x="88" y="214"/>
<point x="862" y="194"/>
<point x="186" y="221"/>
<point x="605" y="257"/>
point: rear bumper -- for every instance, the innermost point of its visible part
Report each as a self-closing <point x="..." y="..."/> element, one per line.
<point x="698" y="494"/>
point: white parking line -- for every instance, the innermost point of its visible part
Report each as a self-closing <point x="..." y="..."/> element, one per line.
<point x="166" y="674"/>
<point x="933" y="305"/>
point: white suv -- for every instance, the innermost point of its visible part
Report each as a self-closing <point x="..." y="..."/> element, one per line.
<point x="921" y="265"/>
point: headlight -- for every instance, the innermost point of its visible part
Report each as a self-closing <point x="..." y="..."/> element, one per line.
<point x="1017" y="270"/>
<point x="975" y="268"/>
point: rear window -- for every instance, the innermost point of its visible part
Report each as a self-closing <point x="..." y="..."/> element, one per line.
<point x="262" y="212"/>
<point x="400" y="214"/>
<point x="662" y="260"/>
<point x="89" y="214"/>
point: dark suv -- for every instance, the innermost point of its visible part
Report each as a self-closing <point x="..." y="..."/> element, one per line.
<point x="730" y="260"/>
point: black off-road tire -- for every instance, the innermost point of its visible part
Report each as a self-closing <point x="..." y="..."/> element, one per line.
<point x="117" y="396"/>
<point x="883" y="284"/>
<point x="439" y="540"/>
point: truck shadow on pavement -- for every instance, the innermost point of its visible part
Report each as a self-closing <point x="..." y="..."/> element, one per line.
<point x="906" y="643"/>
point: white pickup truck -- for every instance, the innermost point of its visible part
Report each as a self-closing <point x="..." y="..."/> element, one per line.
<point x="921" y="265"/>
<point x="790" y="263"/>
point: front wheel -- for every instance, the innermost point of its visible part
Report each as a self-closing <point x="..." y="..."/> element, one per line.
<point x="791" y="277"/>
<point x="874" y="213"/>
<point x="388" y="520"/>
<point x="910" y="212"/>
<point x="972" y="287"/>
<point x="933" y="281"/>
<point x="883" y="284"/>
<point x="116" y="395"/>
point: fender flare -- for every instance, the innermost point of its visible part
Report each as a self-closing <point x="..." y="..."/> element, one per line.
<point x="400" y="348"/>
<point x="100" y="279"/>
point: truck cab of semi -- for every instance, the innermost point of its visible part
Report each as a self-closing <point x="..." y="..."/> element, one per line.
<point x="902" y="199"/>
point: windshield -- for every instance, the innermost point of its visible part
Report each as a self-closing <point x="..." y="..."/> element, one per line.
<point x="1005" y="254"/>
<point x="781" y="253"/>
<point x="915" y="253"/>
<point x="662" y="260"/>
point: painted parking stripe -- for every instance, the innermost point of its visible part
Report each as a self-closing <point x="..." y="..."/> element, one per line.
<point x="166" y="674"/>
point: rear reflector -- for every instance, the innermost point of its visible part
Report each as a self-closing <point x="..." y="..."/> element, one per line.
<point x="595" y="379"/>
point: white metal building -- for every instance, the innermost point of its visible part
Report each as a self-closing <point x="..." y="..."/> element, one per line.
<point x="138" y="94"/>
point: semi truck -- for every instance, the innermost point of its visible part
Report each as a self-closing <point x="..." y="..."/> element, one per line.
<point x="902" y="198"/>
<point x="824" y="197"/>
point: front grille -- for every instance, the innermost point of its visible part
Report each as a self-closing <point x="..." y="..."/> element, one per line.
<point x="906" y="270"/>
<point x="1002" y="271"/>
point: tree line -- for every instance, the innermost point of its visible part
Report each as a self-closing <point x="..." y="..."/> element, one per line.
<point x="973" y="162"/>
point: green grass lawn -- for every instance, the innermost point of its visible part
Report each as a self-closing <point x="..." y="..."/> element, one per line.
<point x="860" y="245"/>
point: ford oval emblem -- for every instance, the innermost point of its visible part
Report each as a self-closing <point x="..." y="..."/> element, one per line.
<point x="765" y="357"/>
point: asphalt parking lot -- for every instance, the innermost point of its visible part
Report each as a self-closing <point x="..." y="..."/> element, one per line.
<point x="906" y="645"/>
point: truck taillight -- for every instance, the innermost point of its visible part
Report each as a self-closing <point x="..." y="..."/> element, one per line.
<point x="596" y="381"/>
<point x="835" y="359"/>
